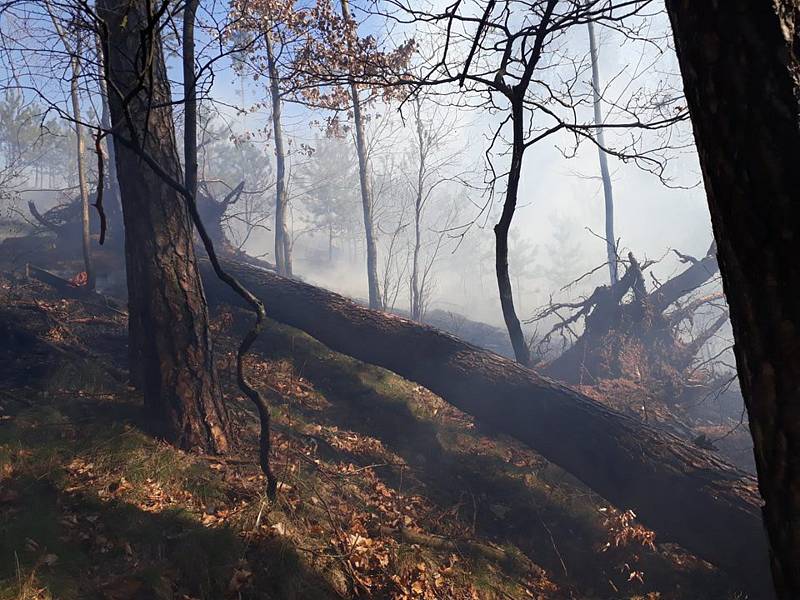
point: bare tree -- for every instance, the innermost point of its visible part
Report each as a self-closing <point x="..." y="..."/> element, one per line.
<point x="363" y="178"/>
<point x="277" y="28"/>
<point x="283" y="244"/>
<point x="500" y="54"/>
<point x="608" y="192"/>
<point x="435" y="169"/>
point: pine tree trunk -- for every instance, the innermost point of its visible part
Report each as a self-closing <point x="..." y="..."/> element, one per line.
<point x="740" y="64"/>
<point x="189" y="98"/>
<point x="683" y="492"/>
<point x="169" y="341"/>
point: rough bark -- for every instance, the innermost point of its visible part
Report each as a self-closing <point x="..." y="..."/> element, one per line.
<point x="741" y="71"/>
<point x="366" y="192"/>
<point x="169" y="344"/>
<point x="283" y="247"/>
<point x="681" y="491"/>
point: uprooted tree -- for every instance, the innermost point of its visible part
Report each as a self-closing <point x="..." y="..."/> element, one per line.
<point x="651" y="336"/>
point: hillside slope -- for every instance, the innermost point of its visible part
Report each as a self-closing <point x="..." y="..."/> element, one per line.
<point x="387" y="491"/>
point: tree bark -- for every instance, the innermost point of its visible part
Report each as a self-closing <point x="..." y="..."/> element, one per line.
<point x="521" y="350"/>
<point x="283" y="248"/>
<point x="684" y="493"/>
<point x="740" y="64"/>
<point x="366" y="192"/>
<point x="170" y="349"/>
<point x="608" y="193"/>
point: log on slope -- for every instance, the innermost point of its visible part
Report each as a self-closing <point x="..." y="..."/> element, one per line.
<point x="684" y="493"/>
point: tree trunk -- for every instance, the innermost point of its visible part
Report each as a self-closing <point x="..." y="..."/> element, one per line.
<point x="416" y="295"/>
<point x="83" y="186"/>
<point x="283" y="248"/>
<point x="169" y="341"/>
<point x="330" y="242"/>
<point x="366" y="193"/>
<point x="416" y="292"/>
<point x="692" y="278"/>
<point x="112" y="202"/>
<point x="684" y="493"/>
<point x="740" y="64"/>
<point x="521" y="350"/>
<point x="189" y="99"/>
<point x="608" y="195"/>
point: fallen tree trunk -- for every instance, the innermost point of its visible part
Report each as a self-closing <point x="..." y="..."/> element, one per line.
<point x="684" y="493"/>
<point x="692" y="278"/>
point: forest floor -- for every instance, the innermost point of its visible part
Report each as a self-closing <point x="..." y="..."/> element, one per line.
<point x="386" y="491"/>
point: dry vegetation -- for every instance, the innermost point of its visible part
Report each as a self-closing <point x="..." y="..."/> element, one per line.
<point x="386" y="491"/>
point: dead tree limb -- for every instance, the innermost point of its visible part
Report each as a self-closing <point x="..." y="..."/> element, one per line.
<point x="46" y="223"/>
<point x="696" y="275"/>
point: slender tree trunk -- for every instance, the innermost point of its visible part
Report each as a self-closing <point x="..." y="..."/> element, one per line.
<point x="169" y="341"/>
<point x="521" y="351"/>
<point x="367" y="203"/>
<point x="740" y="63"/>
<point x="366" y="192"/>
<point x="283" y="249"/>
<point x="189" y="99"/>
<point x="608" y="194"/>
<point x="416" y="309"/>
<point x="330" y="242"/>
<point x="75" y="65"/>
<point x="82" y="183"/>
